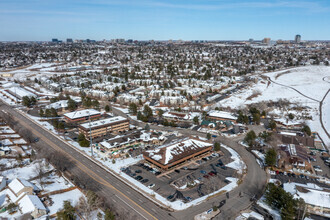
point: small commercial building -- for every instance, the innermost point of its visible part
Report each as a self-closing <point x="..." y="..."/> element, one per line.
<point x="172" y="154"/>
<point x="221" y="116"/>
<point x="82" y="115"/>
<point x="103" y="127"/>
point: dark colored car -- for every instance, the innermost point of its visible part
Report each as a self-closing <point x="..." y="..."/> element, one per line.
<point x="139" y="178"/>
<point x="206" y="176"/>
<point x="178" y="171"/>
<point x="144" y="180"/>
<point x="138" y="171"/>
<point x="170" y="197"/>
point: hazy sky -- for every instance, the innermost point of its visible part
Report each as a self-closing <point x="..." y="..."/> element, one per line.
<point x="162" y="20"/>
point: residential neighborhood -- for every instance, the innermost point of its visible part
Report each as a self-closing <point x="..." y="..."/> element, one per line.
<point x="165" y="130"/>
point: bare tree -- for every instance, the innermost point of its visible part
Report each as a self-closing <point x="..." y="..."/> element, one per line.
<point x="88" y="204"/>
<point x="39" y="171"/>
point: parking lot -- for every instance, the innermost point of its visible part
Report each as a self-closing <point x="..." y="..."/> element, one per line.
<point x="191" y="180"/>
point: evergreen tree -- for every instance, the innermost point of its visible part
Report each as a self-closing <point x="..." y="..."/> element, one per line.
<point x="72" y="105"/>
<point x="67" y="213"/>
<point x="270" y="158"/>
<point x="250" y="138"/>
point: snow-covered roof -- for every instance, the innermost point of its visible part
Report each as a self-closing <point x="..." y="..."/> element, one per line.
<point x="222" y="114"/>
<point x="18" y="184"/>
<point x="312" y="193"/>
<point x="82" y="113"/>
<point x="107" y="121"/>
<point x="21" y="92"/>
<point x="29" y="203"/>
<point x="177" y="150"/>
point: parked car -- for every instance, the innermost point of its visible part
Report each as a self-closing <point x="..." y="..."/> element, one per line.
<point x="211" y="174"/>
<point x="178" y="171"/>
<point x="206" y="176"/>
<point x="203" y="172"/>
<point x="188" y="198"/>
<point x="151" y="185"/>
<point x="224" y="167"/>
<point x="138" y="171"/>
<point x="170" y="197"/>
<point x="139" y="178"/>
<point x="144" y="180"/>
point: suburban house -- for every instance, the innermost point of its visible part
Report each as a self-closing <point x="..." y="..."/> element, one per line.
<point x="82" y="115"/>
<point x="103" y="127"/>
<point x="32" y="204"/>
<point x="21" y="192"/>
<point x="3" y="182"/>
<point x="173" y="154"/>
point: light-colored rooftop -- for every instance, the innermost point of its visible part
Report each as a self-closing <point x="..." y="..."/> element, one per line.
<point x="82" y="113"/>
<point x="106" y="121"/>
<point x="222" y="114"/>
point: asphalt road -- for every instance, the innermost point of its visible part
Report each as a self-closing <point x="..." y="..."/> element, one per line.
<point x="253" y="184"/>
<point x="138" y="206"/>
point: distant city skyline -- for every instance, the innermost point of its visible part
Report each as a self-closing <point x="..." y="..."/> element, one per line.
<point x="40" y="20"/>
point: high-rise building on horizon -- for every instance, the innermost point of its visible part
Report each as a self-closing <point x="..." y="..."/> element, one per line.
<point x="69" y="40"/>
<point x="266" y="40"/>
<point x="297" y="39"/>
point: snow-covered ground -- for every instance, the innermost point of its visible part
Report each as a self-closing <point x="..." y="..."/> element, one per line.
<point x="326" y="112"/>
<point x="238" y="163"/>
<point x="52" y="183"/>
<point x="308" y="80"/>
<point x="276" y="215"/>
<point x="73" y="196"/>
<point x="316" y="195"/>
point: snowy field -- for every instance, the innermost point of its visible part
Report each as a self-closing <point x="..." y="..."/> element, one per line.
<point x="305" y="86"/>
<point x="326" y="112"/>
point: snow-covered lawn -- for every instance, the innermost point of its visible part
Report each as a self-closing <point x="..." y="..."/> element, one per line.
<point x="58" y="199"/>
<point x="326" y="112"/>
<point x="307" y="80"/>
<point x="26" y="172"/>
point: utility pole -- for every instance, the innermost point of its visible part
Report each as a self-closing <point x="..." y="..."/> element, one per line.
<point x="90" y="133"/>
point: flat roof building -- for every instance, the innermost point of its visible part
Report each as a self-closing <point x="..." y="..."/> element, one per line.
<point x="82" y="115"/>
<point x="221" y="116"/>
<point x="103" y="127"/>
<point x="170" y="155"/>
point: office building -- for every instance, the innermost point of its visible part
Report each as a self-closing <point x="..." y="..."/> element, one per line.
<point x="103" y="127"/>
